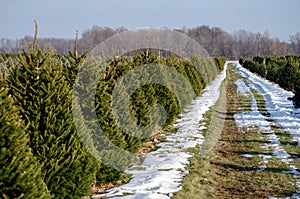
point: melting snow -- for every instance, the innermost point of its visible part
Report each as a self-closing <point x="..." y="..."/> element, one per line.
<point x="242" y="88"/>
<point x="163" y="170"/>
<point x="281" y="112"/>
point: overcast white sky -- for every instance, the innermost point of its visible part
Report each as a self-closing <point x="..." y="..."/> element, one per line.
<point x="61" y="18"/>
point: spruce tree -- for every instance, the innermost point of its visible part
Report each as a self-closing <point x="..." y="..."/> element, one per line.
<point x="20" y="172"/>
<point x="40" y="88"/>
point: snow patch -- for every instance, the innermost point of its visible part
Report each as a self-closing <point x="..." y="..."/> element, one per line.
<point x="242" y="88"/>
<point x="164" y="169"/>
<point x="282" y="112"/>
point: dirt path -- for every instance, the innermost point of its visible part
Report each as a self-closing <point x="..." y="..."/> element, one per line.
<point x="254" y="157"/>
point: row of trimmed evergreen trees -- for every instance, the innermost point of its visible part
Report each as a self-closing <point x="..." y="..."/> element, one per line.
<point x="284" y="71"/>
<point x="42" y="155"/>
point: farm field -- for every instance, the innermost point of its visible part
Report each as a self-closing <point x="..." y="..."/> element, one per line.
<point x="148" y="124"/>
<point x="160" y="173"/>
<point x="256" y="155"/>
<point x="150" y="99"/>
<point x="63" y="109"/>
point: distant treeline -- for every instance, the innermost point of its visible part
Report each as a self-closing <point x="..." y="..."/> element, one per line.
<point x="284" y="70"/>
<point x="216" y="41"/>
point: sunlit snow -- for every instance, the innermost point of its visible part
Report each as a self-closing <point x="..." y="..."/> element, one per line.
<point x="282" y="112"/>
<point x="162" y="171"/>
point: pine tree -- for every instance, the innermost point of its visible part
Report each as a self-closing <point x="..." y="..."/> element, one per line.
<point x="40" y="88"/>
<point x="20" y="172"/>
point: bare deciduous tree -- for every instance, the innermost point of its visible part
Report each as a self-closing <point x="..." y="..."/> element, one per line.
<point x="215" y="40"/>
<point x="295" y="43"/>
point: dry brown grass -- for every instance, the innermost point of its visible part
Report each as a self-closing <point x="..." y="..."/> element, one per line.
<point x="225" y="173"/>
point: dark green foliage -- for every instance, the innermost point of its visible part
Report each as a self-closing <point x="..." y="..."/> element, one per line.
<point x="285" y="71"/>
<point x="148" y="95"/>
<point x="220" y="62"/>
<point x="272" y="72"/>
<point x="107" y="174"/>
<point x="207" y="68"/>
<point x="20" y="172"/>
<point x="259" y="59"/>
<point x="296" y="98"/>
<point x="241" y="60"/>
<point x="287" y="74"/>
<point x="40" y="89"/>
<point x="41" y="85"/>
<point x="193" y="73"/>
<point x="75" y="61"/>
<point x="255" y="67"/>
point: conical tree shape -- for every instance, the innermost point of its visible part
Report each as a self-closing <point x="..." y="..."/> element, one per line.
<point x="20" y="173"/>
<point x="40" y="88"/>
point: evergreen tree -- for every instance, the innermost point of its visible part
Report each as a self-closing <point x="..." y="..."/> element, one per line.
<point x="40" y="88"/>
<point x="20" y="172"/>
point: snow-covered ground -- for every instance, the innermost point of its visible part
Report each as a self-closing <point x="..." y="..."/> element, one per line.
<point x="162" y="171"/>
<point x="282" y="113"/>
<point x="281" y="110"/>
